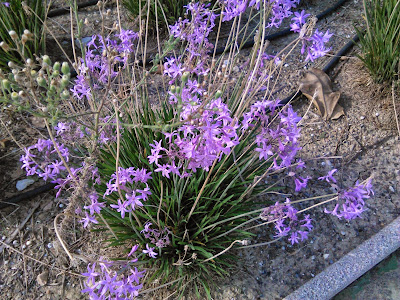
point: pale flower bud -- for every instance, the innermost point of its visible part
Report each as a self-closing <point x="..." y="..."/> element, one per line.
<point x="4" y="46"/>
<point x="13" y="35"/>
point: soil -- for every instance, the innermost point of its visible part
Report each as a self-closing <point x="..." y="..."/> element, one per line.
<point x="363" y="143"/>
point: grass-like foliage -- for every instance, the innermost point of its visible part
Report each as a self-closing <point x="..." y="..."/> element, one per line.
<point x="15" y="16"/>
<point x="198" y="216"/>
<point x="380" y="42"/>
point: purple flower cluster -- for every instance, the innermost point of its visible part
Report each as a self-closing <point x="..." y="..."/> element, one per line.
<point x="42" y="159"/>
<point x="286" y="221"/>
<point x="102" y="55"/>
<point x="114" y="280"/>
<point x="156" y="237"/>
<point x="72" y="131"/>
<point x="314" y="45"/>
<point x="280" y="10"/>
<point x="280" y="140"/>
<point x="207" y="132"/>
<point x="133" y="196"/>
<point x="350" y="202"/>
<point x="195" y="33"/>
<point x="232" y="9"/>
<point x="277" y="140"/>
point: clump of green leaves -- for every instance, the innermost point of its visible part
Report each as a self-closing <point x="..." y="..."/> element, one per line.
<point x="18" y="17"/>
<point x="380" y="43"/>
<point x="203" y="213"/>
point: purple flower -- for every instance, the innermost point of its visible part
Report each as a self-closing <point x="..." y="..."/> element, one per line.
<point x="286" y="221"/>
<point x="6" y="4"/>
<point x="300" y="17"/>
<point x="91" y="274"/>
<point x="350" y="203"/>
<point x="329" y="177"/>
<point x="149" y="251"/>
<point x="121" y="207"/>
<point x="88" y="219"/>
<point x="133" y="250"/>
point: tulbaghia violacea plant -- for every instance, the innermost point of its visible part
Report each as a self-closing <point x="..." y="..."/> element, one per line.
<point x="177" y="176"/>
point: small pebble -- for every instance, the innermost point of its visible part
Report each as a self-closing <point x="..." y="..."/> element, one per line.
<point x="376" y="114"/>
<point x="15" y="242"/>
<point x="28" y="243"/>
<point x="391" y="189"/>
<point x="49" y="245"/>
<point x="286" y="65"/>
<point x="61" y="205"/>
<point x="362" y="118"/>
<point x="326" y="255"/>
<point x="313" y="257"/>
<point x="343" y="232"/>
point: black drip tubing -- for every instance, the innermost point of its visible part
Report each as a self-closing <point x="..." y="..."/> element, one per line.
<point x="65" y="10"/>
<point x="29" y="194"/>
<point x="329" y="66"/>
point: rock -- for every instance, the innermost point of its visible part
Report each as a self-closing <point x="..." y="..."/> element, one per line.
<point x="42" y="278"/>
<point x="326" y="255"/>
<point x="24" y="183"/>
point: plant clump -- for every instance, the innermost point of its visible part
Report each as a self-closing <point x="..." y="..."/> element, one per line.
<point x="178" y="179"/>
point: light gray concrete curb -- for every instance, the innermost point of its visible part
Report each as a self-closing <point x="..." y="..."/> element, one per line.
<point x="357" y="262"/>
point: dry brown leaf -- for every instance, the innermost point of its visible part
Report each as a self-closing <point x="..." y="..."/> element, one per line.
<point x="317" y="87"/>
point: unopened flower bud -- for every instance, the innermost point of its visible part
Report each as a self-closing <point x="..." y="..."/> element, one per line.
<point x="52" y="89"/>
<point x="14" y="96"/>
<point x="64" y="81"/>
<point x="185" y="77"/>
<point x="11" y="65"/>
<point x="22" y="94"/>
<point x="173" y="89"/>
<point x="65" y="95"/>
<point x="178" y="89"/>
<point x="29" y="62"/>
<point x="46" y="60"/>
<point x="56" y="66"/>
<point x="24" y="39"/>
<point x="28" y="33"/>
<point x="65" y="68"/>
<point x="218" y="94"/>
<point x="13" y="35"/>
<point x="41" y="81"/>
<point x="33" y="72"/>
<point x="4" y="46"/>
<point x="86" y="21"/>
<point x="6" y="84"/>
<point x="56" y="73"/>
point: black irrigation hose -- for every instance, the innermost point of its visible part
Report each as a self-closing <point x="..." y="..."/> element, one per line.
<point x="29" y="194"/>
<point x="335" y="59"/>
<point x="332" y="62"/>
<point x="65" y="10"/>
